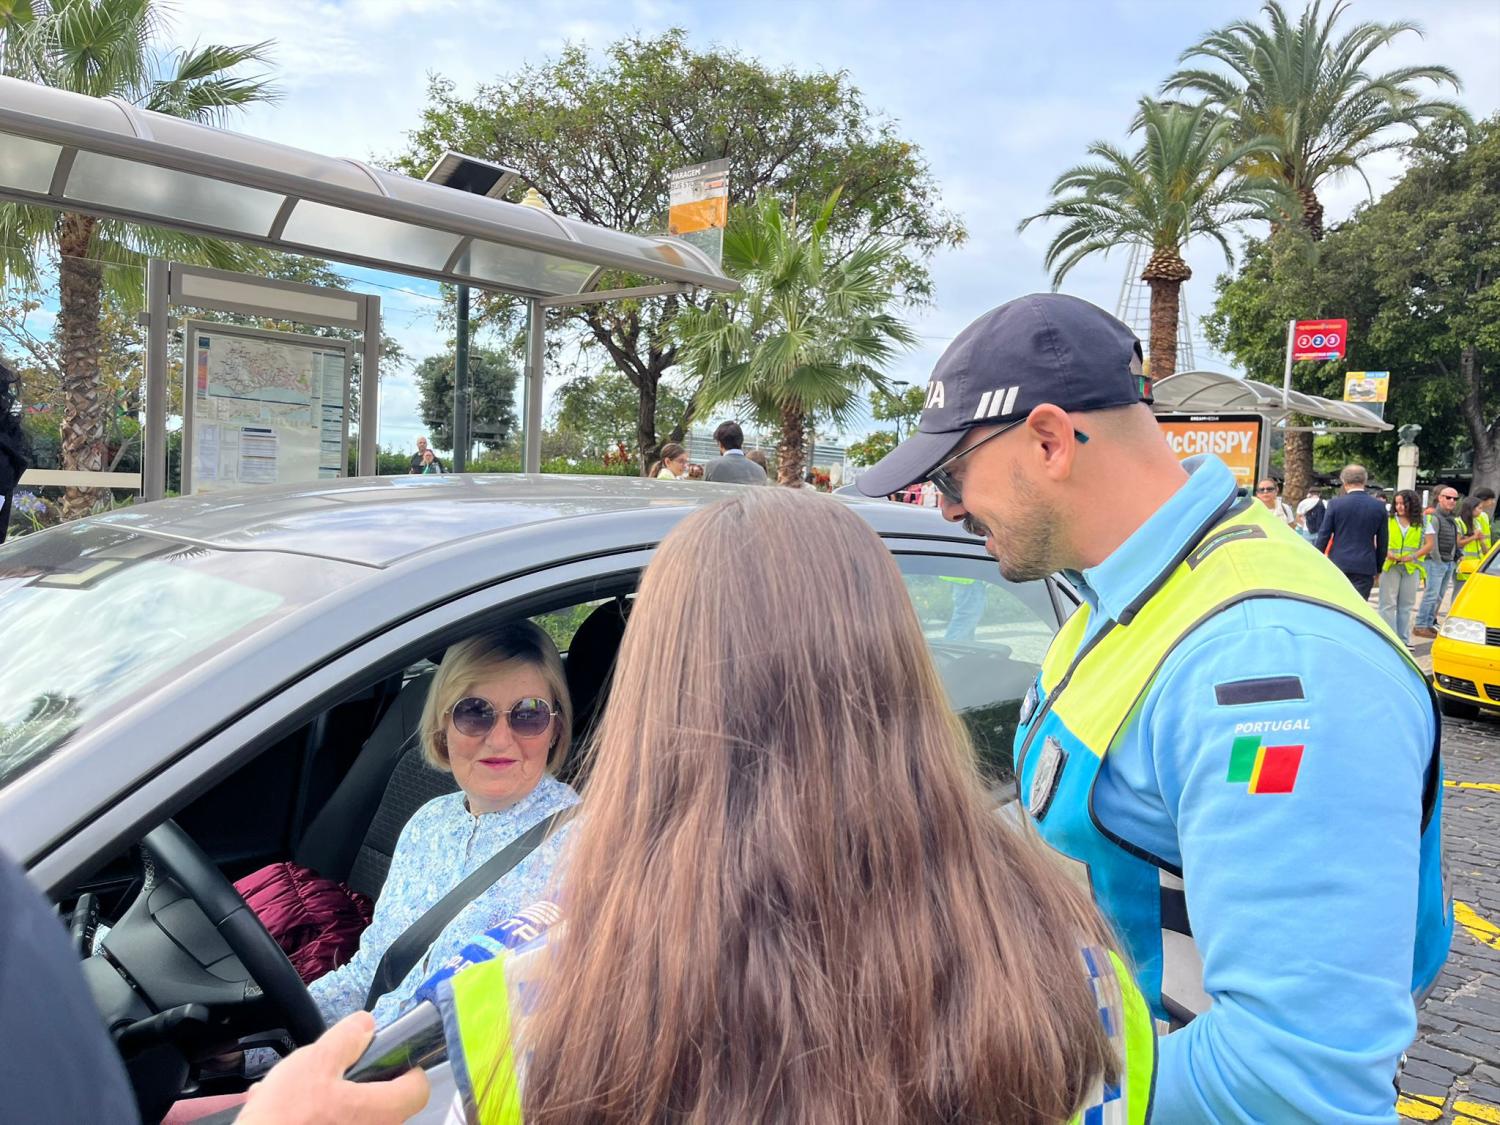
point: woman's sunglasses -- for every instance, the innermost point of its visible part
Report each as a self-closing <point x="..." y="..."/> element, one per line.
<point x="528" y="718"/>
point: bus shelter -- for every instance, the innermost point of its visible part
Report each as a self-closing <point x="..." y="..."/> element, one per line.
<point x="108" y="158"/>
<point x="1232" y="418"/>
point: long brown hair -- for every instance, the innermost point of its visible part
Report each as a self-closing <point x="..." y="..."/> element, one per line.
<point x="789" y="898"/>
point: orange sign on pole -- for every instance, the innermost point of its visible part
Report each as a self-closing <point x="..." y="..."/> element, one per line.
<point x="1232" y="438"/>
<point x="698" y="205"/>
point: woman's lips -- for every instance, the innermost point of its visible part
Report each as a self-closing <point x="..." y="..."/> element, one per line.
<point x="497" y="763"/>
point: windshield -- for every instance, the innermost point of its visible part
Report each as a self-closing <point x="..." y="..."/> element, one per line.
<point x="95" y="617"/>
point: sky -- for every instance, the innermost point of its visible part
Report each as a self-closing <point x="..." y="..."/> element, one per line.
<point x="1000" y="96"/>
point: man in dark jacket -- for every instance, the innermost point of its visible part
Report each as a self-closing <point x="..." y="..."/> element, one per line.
<point x="1358" y="526"/>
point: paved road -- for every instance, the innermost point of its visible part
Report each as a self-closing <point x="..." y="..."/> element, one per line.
<point x="1452" y="1072"/>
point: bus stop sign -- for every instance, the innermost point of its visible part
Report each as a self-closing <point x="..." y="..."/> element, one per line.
<point x="1320" y="339"/>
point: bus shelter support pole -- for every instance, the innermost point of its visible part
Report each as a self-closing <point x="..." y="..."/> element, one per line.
<point x="154" y="439"/>
<point x="369" y="392"/>
<point x="536" y="351"/>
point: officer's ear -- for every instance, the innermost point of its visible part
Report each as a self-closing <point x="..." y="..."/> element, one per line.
<point x="1052" y="441"/>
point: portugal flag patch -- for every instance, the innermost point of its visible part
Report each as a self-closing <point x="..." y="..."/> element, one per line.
<point x="1267" y="769"/>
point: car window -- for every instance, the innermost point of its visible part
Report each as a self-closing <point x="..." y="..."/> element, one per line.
<point x="561" y="624"/>
<point x="94" y="616"/>
<point x="988" y="637"/>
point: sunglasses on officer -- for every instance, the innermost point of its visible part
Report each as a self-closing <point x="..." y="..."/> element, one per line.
<point x="951" y="487"/>
<point x="527" y="718"/>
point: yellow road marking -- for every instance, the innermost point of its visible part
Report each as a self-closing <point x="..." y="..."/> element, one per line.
<point x="1491" y="786"/>
<point x="1478" y="1111"/>
<point x="1480" y="929"/>
<point x="1419" y="1107"/>
<point x="1461" y="1120"/>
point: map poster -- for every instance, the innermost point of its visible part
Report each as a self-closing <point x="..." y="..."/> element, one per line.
<point x="1232" y="438"/>
<point x="262" y="407"/>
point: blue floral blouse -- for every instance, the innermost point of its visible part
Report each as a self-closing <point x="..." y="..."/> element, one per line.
<point x="439" y="847"/>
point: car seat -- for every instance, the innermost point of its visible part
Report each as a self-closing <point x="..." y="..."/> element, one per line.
<point x="353" y="837"/>
<point x="590" y="668"/>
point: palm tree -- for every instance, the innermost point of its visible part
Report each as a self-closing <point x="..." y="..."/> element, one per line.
<point x="807" y="333"/>
<point x="1311" y="95"/>
<point x="1292" y="82"/>
<point x="1182" y="182"/>
<point x="108" y="48"/>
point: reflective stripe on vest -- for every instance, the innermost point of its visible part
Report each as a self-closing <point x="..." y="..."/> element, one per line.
<point x="1402" y="543"/>
<point x="1088" y="694"/>
<point x="477" y="1006"/>
<point x="1132" y="1037"/>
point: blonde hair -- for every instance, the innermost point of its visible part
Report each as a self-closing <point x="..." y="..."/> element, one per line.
<point x="796" y="901"/>
<point x="476" y="658"/>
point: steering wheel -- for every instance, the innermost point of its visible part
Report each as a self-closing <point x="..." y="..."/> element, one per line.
<point x="174" y="854"/>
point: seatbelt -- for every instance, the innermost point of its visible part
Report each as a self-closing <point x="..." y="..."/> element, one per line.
<point x="414" y="942"/>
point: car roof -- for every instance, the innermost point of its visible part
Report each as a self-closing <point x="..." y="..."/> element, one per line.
<point x="379" y="521"/>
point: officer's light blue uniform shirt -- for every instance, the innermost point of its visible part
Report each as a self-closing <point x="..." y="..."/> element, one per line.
<point x="1304" y="904"/>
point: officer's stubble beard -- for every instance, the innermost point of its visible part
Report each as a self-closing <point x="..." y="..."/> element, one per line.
<point x="1027" y="542"/>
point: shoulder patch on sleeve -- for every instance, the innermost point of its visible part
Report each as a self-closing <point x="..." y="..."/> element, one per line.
<point x="1267" y="689"/>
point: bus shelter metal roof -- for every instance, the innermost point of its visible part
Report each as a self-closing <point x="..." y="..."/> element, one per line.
<point x="105" y="157"/>
<point x="1212" y="392"/>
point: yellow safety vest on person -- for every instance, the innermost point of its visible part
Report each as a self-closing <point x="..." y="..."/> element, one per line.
<point x="1470" y="554"/>
<point x="479" y="1006"/>
<point x="1089" y="691"/>
<point x="1404" y="543"/>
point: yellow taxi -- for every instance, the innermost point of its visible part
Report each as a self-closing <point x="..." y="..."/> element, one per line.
<point x="1466" y="653"/>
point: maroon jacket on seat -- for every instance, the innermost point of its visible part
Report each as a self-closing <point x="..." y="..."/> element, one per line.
<point x="317" y="921"/>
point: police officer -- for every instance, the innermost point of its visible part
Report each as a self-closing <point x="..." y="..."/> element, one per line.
<point x="1202" y="743"/>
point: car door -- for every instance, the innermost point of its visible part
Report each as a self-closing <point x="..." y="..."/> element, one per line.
<point x="988" y="637"/>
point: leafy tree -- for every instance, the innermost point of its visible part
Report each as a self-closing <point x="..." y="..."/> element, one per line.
<point x="1297" y="84"/>
<point x="599" y="138"/>
<point x="1418" y="276"/>
<point x="1180" y="183"/>
<point x="808" y="333"/>
<point x="904" y="409"/>
<point x="492" y="395"/>
<point x="1429" y="251"/>
<point x="109" y="48"/>
<point x="598" y="411"/>
<point x="872" y="447"/>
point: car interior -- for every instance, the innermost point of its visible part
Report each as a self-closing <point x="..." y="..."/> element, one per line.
<point x="333" y="796"/>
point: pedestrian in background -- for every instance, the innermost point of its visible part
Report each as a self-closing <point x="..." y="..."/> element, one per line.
<point x="1470" y="542"/>
<point x="414" y="465"/>
<point x="1268" y="492"/>
<point x="1402" y="576"/>
<point x="1355" y="530"/>
<point x="430" y="463"/>
<point x="15" y="448"/>
<point x="673" y="464"/>
<point x="1310" y="511"/>
<point x="1440" y="529"/>
<point x="1484" y="500"/>
<point x="760" y="459"/>
<point x="731" y="466"/>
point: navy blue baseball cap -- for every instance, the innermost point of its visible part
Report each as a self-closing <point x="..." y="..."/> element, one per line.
<point x="1043" y="348"/>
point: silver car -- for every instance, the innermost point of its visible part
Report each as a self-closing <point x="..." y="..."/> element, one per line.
<point x="195" y="688"/>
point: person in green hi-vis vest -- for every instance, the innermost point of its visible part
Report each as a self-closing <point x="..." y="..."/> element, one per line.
<point x="789" y="898"/>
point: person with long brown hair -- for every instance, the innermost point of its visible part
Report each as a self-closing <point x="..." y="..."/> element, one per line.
<point x="789" y="897"/>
